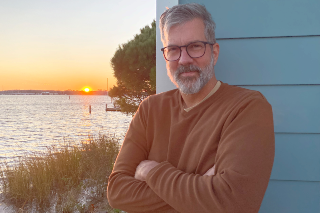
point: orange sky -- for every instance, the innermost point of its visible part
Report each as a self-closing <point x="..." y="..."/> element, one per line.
<point x="54" y="45"/>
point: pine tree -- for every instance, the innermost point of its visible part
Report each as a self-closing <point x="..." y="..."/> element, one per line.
<point x="134" y="66"/>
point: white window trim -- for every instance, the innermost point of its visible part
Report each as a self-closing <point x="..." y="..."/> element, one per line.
<point x="163" y="81"/>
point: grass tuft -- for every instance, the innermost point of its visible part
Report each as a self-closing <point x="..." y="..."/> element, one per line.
<point x="71" y="178"/>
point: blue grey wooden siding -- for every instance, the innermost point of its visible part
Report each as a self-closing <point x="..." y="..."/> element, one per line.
<point x="274" y="47"/>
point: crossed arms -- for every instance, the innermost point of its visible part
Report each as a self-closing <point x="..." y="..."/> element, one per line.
<point x="145" y="166"/>
<point x="236" y="183"/>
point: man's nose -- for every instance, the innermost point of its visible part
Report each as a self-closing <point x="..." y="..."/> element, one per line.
<point x="185" y="59"/>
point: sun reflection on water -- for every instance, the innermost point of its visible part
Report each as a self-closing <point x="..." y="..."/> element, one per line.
<point x="31" y="123"/>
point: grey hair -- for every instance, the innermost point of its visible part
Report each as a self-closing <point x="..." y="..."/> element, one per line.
<point x="183" y="13"/>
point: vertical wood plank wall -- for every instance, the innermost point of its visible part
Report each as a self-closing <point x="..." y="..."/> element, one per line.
<point x="274" y="47"/>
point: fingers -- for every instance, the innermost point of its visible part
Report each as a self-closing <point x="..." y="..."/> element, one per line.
<point x="211" y="171"/>
<point x="143" y="169"/>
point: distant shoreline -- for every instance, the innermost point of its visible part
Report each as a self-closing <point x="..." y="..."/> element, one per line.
<point x="52" y="92"/>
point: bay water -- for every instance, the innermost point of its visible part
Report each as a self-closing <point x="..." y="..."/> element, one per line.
<point x="31" y="123"/>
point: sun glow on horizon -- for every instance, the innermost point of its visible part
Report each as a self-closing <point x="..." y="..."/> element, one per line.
<point x="64" y="56"/>
<point x="87" y="89"/>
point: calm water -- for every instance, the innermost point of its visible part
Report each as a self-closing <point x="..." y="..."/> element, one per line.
<point x="31" y="123"/>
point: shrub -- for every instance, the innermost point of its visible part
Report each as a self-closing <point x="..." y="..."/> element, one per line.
<point x="60" y="174"/>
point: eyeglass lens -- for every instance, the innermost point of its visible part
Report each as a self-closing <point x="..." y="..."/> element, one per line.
<point x="194" y="50"/>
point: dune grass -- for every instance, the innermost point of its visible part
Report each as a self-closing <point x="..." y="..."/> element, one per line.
<point x="71" y="178"/>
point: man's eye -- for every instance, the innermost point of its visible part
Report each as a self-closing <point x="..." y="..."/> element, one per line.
<point x="195" y="46"/>
<point x="172" y="49"/>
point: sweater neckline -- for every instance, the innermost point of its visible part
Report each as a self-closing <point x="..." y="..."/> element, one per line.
<point x="203" y="104"/>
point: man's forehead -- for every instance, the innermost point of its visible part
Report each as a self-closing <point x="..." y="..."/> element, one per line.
<point x="185" y="33"/>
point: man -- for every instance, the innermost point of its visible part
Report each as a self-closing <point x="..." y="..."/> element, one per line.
<point x="204" y="147"/>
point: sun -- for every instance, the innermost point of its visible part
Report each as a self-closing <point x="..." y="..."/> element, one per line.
<point x="86" y="89"/>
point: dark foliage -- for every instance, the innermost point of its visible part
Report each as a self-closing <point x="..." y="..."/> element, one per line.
<point x="134" y="66"/>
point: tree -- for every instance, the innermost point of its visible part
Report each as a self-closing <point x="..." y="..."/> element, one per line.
<point x="134" y="67"/>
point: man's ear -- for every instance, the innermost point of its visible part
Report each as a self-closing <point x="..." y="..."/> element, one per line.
<point x="216" y="49"/>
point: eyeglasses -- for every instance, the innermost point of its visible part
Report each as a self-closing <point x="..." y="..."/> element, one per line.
<point x="195" y="50"/>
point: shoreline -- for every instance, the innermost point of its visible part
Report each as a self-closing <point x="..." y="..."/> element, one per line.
<point x="4" y="207"/>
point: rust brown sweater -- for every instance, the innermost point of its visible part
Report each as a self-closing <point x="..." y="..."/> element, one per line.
<point x="233" y="130"/>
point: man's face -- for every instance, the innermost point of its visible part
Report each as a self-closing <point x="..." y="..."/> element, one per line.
<point x="190" y="75"/>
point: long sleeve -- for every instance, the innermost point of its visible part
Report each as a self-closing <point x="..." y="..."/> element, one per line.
<point x="243" y="163"/>
<point x="124" y="191"/>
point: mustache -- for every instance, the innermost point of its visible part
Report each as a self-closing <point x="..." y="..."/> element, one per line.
<point x="188" y="68"/>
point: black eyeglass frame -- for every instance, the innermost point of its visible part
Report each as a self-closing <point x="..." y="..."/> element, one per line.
<point x="205" y="48"/>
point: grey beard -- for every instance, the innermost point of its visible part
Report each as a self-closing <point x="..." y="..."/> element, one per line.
<point x="192" y="85"/>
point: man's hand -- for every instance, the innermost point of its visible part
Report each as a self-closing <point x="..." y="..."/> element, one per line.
<point x="143" y="169"/>
<point x="210" y="171"/>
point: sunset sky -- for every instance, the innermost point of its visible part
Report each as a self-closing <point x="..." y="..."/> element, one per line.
<point x="66" y="44"/>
